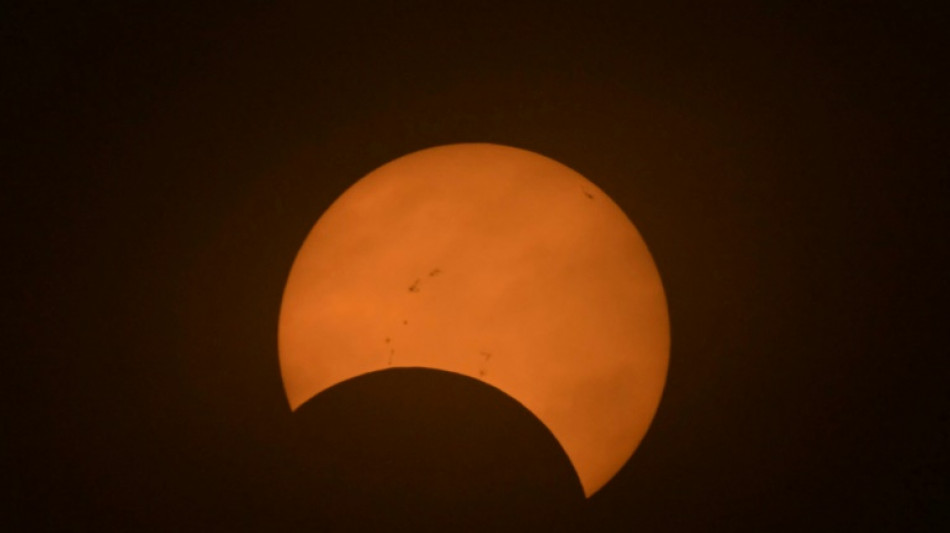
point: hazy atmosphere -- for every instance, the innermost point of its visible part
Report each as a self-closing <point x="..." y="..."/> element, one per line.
<point x="162" y="166"/>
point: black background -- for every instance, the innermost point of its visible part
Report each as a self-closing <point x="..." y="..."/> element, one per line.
<point x="162" y="165"/>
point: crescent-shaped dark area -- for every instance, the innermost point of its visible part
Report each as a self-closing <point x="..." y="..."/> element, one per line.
<point x="418" y="449"/>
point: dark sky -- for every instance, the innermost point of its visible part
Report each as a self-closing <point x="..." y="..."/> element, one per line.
<point x="786" y="166"/>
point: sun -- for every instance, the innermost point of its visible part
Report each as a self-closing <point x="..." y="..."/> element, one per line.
<point x="496" y="263"/>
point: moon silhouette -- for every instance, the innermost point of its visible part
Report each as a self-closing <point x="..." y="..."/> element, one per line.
<point x="495" y="263"/>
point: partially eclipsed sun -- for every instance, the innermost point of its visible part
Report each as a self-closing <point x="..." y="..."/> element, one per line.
<point x="496" y="263"/>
